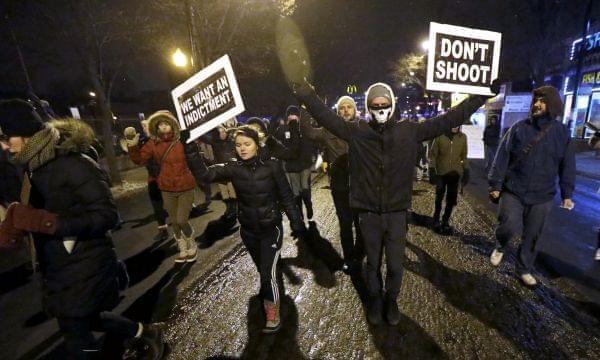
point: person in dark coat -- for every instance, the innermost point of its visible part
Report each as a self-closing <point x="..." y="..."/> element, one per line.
<point x="336" y="155"/>
<point x="448" y="165"/>
<point x="491" y="138"/>
<point x="262" y="188"/>
<point x="298" y="161"/>
<point x="531" y="156"/>
<point x="70" y="213"/>
<point x="224" y="151"/>
<point x="382" y="155"/>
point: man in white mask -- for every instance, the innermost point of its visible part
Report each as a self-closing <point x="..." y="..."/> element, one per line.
<point x="382" y="155"/>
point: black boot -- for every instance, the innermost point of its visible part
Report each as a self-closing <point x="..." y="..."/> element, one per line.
<point x="163" y="234"/>
<point x="299" y="204"/>
<point x="374" y="309"/>
<point x="308" y="203"/>
<point x="392" y="314"/>
<point x="148" y="346"/>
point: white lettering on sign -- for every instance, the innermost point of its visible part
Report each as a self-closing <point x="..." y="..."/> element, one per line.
<point x="462" y="59"/>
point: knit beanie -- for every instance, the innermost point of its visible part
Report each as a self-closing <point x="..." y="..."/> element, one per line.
<point x="345" y="100"/>
<point x="259" y="122"/>
<point x="378" y="91"/>
<point x="19" y="118"/>
<point x="292" y="110"/>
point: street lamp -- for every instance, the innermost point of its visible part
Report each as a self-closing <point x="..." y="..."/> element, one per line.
<point x="92" y="94"/>
<point x="179" y="58"/>
<point x="425" y="45"/>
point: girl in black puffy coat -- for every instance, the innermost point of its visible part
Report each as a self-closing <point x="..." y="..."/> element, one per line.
<point x="261" y="188"/>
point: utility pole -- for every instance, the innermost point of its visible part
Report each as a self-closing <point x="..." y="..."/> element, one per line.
<point x="580" y="56"/>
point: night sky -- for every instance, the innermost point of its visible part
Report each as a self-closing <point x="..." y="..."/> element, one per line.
<point x="350" y="41"/>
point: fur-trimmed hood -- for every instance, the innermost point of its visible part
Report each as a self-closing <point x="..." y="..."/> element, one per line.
<point x="75" y="135"/>
<point x="157" y="118"/>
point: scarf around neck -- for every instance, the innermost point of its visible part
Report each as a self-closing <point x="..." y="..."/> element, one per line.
<point x="39" y="149"/>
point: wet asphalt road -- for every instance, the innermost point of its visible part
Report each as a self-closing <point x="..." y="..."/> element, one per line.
<point x="454" y="304"/>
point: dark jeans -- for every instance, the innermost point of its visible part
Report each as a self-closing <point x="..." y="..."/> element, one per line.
<point x="160" y="215"/>
<point x="490" y="154"/>
<point x="384" y="232"/>
<point x="353" y="251"/>
<point x="79" y="339"/>
<point x="265" y="248"/>
<point x="447" y="185"/>
<point x="514" y="215"/>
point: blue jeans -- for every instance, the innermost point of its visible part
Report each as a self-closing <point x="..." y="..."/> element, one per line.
<point x="490" y="154"/>
<point x="514" y="215"/>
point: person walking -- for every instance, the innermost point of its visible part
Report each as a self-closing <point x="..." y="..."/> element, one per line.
<point x="531" y="156"/>
<point x="336" y="155"/>
<point x="175" y="180"/>
<point x="382" y="155"/>
<point x="491" y="138"/>
<point x="67" y="207"/>
<point x="262" y="188"/>
<point x="448" y="164"/>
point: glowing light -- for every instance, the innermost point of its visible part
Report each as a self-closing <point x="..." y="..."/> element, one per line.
<point x="179" y="58"/>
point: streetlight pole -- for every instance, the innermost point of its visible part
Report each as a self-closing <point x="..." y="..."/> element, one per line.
<point x="191" y="24"/>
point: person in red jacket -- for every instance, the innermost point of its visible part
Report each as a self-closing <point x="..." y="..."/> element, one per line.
<point x="175" y="180"/>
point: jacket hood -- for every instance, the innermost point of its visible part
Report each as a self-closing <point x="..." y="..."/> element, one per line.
<point x="75" y="135"/>
<point x="553" y="100"/>
<point x="160" y="116"/>
<point x="377" y="87"/>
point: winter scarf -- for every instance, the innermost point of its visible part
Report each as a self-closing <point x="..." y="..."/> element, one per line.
<point x="40" y="148"/>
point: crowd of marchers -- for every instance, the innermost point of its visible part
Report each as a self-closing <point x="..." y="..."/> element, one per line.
<point x="56" y="198"/>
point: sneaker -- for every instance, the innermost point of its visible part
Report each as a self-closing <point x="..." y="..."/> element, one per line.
<point x="597" y="255"/>
<point x="273" y="321"/>
<point x="374" y="309"/>
<point x="496" y="257"/>
<point x="192" y="254"/>
<point x="182" y="245"/>
<point x="392" y="314"/>
<point x="150" y="345"/>
<point x="528" y="279"/>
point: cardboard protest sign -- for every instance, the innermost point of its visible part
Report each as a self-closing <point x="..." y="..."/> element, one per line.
<point x="462" y="59"/>
<point x="208" y="98"/>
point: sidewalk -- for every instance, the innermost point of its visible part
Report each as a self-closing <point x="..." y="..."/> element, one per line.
<point x="588" y="164"/>
<point x="568" y="242"/>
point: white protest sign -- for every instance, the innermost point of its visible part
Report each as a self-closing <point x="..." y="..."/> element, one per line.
<point x="462" y="59"/>
<point x="208" y="98"/>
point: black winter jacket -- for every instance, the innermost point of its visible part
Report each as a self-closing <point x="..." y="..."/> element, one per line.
<point x="491" y="135"/>
<point x="83" y="282"/>
<point x="299" y="149"/>
<point x="382" y="158"/>
<point x="261" y="188"/>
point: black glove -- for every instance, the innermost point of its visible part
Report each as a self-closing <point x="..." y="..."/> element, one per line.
<point x="495" y="87"/>
<point x="433" y="178"/>
<point x="184" y="135"/>
<point x="299" y="230"/>
<point x="464" y="180"/>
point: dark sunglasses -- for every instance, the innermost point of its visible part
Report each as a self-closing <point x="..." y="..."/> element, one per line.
<point x="380" y="107"/>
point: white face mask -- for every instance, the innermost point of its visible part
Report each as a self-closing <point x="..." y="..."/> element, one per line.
<point x="381" y="115"/>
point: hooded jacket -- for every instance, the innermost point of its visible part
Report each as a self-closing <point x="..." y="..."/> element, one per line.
<point x="532" y="177"/>
<point x="73" y="186"/>
<point x="174" y="174"/>
<point x="382" y="156"/>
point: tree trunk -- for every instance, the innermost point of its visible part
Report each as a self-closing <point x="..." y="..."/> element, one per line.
<point x="107" y="120"/>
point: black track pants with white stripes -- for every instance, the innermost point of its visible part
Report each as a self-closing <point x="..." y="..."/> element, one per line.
<point x="265" y="248"/>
